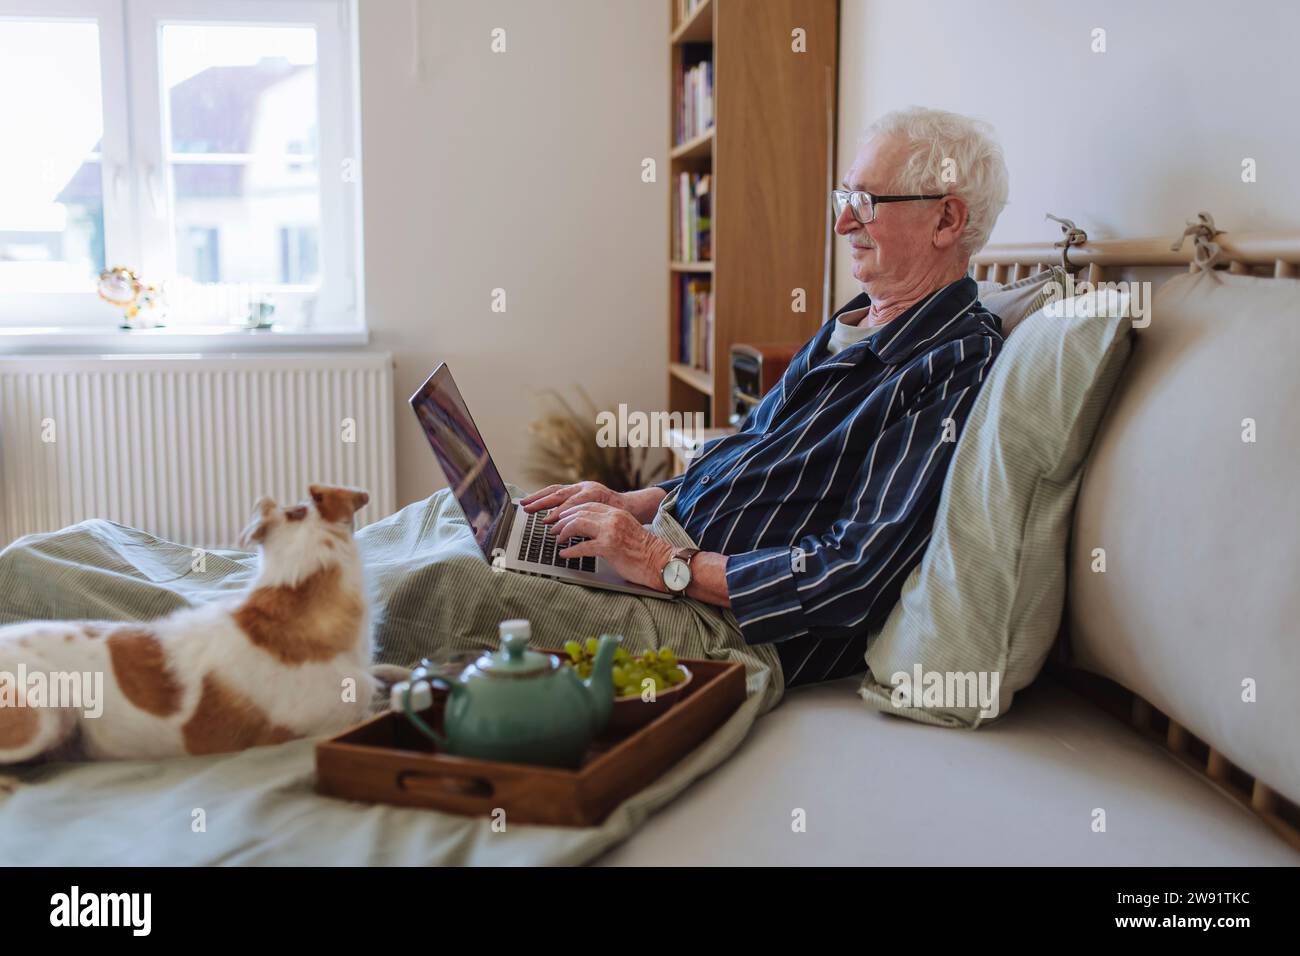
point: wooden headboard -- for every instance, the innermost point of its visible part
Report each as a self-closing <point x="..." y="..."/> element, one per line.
<point x="1264" y="254"/>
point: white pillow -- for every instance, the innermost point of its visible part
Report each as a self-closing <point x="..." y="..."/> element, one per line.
<point x="1012" y="302"/>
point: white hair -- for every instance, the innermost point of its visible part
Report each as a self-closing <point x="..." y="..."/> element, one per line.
<point x="939" y="142"/>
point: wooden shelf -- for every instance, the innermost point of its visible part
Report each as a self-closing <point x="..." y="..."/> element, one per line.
<point x="696" y="378"/>
<point x="698" y="148"/>
<point x="770" y="172"/>
<point x="698" y="28"/>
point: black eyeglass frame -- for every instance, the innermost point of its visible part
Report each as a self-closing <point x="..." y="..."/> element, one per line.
<point x="848" y="195"/>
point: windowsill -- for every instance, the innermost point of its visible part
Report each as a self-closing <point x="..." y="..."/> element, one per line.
<point x="73" y="340"/>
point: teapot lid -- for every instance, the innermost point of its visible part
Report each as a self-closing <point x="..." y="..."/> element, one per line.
<point x="514" y="659"/>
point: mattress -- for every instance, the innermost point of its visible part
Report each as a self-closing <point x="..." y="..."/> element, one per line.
<point x="1190" y="496"/>
<point x="877" y="790"/>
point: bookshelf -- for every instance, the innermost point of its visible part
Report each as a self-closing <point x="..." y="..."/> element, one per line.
<point x="768" y="157"/>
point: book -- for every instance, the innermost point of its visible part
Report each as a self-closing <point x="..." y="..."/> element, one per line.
<point x="692" y="230"/>
<point x="686" y="7"/>
<point x="693" y="101"/>
<point x="695" y="329"/>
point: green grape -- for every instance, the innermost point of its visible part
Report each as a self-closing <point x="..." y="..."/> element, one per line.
<point x="630" y="671"/>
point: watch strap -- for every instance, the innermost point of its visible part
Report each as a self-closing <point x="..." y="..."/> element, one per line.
<point x="686" y="554"/>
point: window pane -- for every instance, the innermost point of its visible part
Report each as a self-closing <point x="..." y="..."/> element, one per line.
<point x="51" y="187"/>
<point x="244" y="152"/>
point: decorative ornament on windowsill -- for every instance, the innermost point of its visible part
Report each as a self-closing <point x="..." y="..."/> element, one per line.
<point x="141" y="304"/>
<point x="261" y="312"/>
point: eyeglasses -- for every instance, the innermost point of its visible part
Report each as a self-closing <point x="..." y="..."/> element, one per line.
<point x="864" y="203"/>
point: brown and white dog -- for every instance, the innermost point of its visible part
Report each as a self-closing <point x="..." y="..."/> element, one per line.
<point x="288" y="658"/>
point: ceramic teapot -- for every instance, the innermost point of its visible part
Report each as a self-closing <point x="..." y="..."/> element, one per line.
<point x="516" y="705"/>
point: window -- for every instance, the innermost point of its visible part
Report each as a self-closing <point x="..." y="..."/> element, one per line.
<point x="51" y="167"/>
<point x="298" y="254"/>
<point x="199" y="255"/>
<point x="217" y="159"/>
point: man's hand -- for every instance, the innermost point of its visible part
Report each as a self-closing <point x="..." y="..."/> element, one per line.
<point x="615" y="535"/>
<point x="640" y="504"/>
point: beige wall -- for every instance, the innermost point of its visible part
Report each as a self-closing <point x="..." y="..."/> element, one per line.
<point x="521" y="171"/>
<point x="1130" y="142"/>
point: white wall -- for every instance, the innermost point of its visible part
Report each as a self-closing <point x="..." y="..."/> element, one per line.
<point x="521" y="171"/>
<point x="1131" y="142"/>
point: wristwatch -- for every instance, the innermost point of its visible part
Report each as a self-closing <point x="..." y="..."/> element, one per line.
<point x="677" y="572"/>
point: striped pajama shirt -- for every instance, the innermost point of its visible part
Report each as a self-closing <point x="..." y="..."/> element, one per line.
<point x="824" y="501"/>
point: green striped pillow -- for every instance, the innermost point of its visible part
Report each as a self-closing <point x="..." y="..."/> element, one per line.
<point x="978" y="616"/>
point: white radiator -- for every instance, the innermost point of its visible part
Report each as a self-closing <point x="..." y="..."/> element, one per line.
<point x="182" y="445"/>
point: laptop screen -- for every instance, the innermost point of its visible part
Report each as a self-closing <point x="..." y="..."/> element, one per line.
<point x="473" y="478"/>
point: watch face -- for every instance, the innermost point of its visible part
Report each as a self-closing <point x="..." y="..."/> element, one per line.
<point x="677" y="575"/>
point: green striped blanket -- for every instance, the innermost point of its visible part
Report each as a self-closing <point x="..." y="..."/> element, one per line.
<point x="432" y="591"/>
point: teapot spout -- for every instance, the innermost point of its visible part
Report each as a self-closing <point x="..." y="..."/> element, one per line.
<point x="601" y="682"/>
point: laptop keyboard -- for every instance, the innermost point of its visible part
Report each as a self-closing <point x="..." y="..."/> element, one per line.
<point x="539" y="545"/>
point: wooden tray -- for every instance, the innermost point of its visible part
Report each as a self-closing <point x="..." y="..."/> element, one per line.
<point x="386" y="760"/>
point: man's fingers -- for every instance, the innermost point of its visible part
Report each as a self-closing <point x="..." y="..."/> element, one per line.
<point x="552" y="500"/>
<point x="579" y="524"/>
<point x="587" y="511"/>
<point x="526" y="499"/>
<point x="558" y="514"/>
<point x="561" y="529"/>
<point x="577" y="504"/>
<point x="583" y="549"/>
<point x="575" y="499"/>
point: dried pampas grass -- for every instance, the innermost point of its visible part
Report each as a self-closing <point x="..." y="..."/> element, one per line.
<point x="565" y="451"/>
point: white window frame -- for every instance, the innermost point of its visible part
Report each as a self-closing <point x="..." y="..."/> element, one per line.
<point x="137" y="189"/>
<point x="118" y="185"/>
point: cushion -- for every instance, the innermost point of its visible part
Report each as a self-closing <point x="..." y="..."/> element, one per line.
<point x="1198" y="605"/>
<point x="981" y="611"/>
<point x="1012" y="302"/>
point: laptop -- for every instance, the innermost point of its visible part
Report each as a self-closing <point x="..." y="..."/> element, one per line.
<point x="509" y="537"/>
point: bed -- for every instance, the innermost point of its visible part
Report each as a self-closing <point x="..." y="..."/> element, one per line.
<point x="820" y="779"/>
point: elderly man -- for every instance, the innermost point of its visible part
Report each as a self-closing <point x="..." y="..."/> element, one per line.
<point x="812" y="515"/>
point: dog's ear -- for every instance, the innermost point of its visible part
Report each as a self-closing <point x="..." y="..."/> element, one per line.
<point x="337" y="504"/>
<point x="259" y="524"/>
